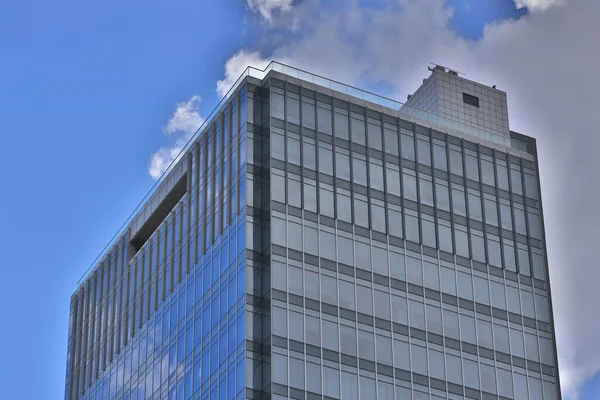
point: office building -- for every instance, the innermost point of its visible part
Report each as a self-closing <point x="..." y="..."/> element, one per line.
<point x="316" y="241"/>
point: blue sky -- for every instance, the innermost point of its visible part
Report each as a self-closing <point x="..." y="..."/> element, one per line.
<point x="85" y="92"/>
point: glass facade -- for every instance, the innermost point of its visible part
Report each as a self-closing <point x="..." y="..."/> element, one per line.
<point x="406" y="263"/>
<point x="326" y="249"/>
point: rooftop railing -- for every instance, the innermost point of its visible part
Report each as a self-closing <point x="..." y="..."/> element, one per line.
<point x="402" y="108"/>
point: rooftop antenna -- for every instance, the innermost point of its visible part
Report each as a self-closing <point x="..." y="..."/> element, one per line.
<point x="445" y="68"/>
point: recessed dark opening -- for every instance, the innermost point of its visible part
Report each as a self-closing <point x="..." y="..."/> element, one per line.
<point x="159" y="215"/>
<point x="472" y="100"/>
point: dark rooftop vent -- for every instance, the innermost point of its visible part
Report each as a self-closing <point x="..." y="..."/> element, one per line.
<point x="471" y="100"/>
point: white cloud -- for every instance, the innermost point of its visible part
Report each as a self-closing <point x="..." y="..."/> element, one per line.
<point x="163" y="157"/>
<point x="236" y="65"/>
<point x="184" y="122"/>
<point x="186" y="117"/>
<point x="538" y="5"/>
<point x="546" y="62"/>
<point x="267" y="8"/>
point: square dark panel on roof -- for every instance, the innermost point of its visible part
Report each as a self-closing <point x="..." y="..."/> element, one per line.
<point x="472" y="100"/>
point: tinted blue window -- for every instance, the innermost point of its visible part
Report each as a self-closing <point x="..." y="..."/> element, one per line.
<point x="206" y="322"/>
<point x="231" y="385"/>
<point x="241" y="239"/>
<point x="189" y="340"/>
<point x="240" y="376"/>
<point x="181" y="305"/>
<point x="214" y="359"/>
<point x="240" y="329"/>
<point x="205" y="366"/>
<point x="241" y="282"/>
<point x="197" y="332"/>
<point x="174" y="315"/>
<point x="231" y="338"/>
<point x="242" y="193"/>
<point x="232" y="291"/>
<point x="190" y="297"/>
<point x="215" y="269"/>
<point x="223" y="301"/>
<point x="172" y="360"/>
<point x="165" y="326"/>
<point x="188" y="381"/>
<point x="214" y="307"/>
<point x="206" y="279"/>
<point x="224" y="261"/>
<point x="197" y="376"/>
<point x="180" y="350"/>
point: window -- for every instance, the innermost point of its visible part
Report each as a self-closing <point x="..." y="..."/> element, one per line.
<point x="448" y="280"/>
<point x="434" y="319"/>
<point x="382" y="299"/>
<point x="471" y="374"/>
<point x="417" y="314"/>
<point x="488" y="378"/>
<point x="309" y="156"/>
<point x="363" y="258"/>
<point x="366" y="346"/>
<point x="484" y="334"/>
<point x="467" y="329"/>
<point x="348" y="340"/>
<point x="341" y="125"/>
<point x="345" y="250"/>
<point x="431" y="274"/>
<point x="296" y="373"/>
<point x="376" y="174"/>
<point x="313" y="331"/>
<point x="311" y="284"/>
<point x="471" y="100"/>
<point x="426" y="191"/>
<point x="419" y="359"/>
<point x="325" y="161"/>
<point x="505" y="386"/>
<point x="358" y="129"/>
<point x="331" y="382"/>
<point x="401" y="355"/>
<point x="359" y="171"/>
<point x="454" y="369"/>
<point x="531" y="347"/>
<point x="293" y="151"/>
<point x="424" y="151"/>
<point x="393" y="181"/>
<point x="328" y="290"/>
<point x="349" y="386"/>
<point x="450" y="324"/>
<point x="380" y="260"/>
<point x="384" y="350"/>
<point x="342" y="164"/>
<point x="408" y="147"/>
<point x="330" y="336"/>
<point x="414" y="271"/>
<point x="365" y="299"/>
<point x="324" y="117"/>
<point x="501" y="340"/>
<point x="410" y="186"/>
<point x="327" y="241"/>
<point x="367" y="388"/>
<point x="279" y="322"/>
<point x="311" y="240"/>
<point x="347" y="295"/>
<point x="482" y="294"/>
<point x="436" y="364"/>
<point x="279" y="369"/>
<point x="399" y="310"/>
<point x="313" y="377"/>
<point x="296" y="326"/>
